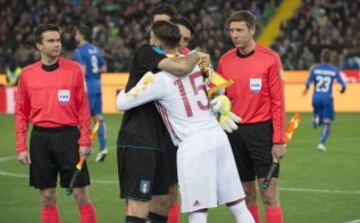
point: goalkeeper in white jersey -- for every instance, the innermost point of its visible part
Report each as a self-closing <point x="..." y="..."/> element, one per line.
<point x="206" y="167"/>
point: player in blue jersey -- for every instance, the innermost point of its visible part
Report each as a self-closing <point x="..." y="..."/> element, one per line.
<point x="323" y="76"/>
<point x="92" y="64"/>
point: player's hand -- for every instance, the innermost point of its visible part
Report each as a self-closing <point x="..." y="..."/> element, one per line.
<point x="85" y="151"/>
<point x="342" y="91"/>
<point x="304" y="93"/>
<point x="278" y="151"/>
<point x="205" y="58"/>
<point x="24" y="158"/>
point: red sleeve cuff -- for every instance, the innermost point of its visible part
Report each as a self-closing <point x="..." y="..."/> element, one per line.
<point x="18" y="150"/>
<point x="85" y="142"/>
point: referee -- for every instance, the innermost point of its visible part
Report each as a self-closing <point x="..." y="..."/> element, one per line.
<point x="257" y="96"/>
<point x="51" y="96"/>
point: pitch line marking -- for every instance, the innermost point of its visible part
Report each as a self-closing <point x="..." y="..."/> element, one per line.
<point x="325" y="191"/>
<point x="5" y="158"/>
<point x="291" y="189"/>
<point x="354" y="221"/>
<point x="17" y="175"/>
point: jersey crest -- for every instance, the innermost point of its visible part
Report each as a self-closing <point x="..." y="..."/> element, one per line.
<point x="255" y="84"/>
<point x="64" y="96"/>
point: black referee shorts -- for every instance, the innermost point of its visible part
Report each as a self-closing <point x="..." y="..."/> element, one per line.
<point x="252" y="145"/>
<point x="142" y="173"/>
<point x="53" y="151"/>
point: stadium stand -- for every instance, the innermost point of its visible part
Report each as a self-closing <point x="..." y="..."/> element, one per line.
<point x="119" y="26"/>
<point x="321" y="24"/>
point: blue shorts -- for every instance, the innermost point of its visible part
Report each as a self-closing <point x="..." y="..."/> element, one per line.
<point x="323" y="107"/>
<point x="95" y="103"/>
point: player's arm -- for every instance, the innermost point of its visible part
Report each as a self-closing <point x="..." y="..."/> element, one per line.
<point x="276" y="86"/>
<point x="181" y="66"/>
<point x="82" y="105"/>
<point x="102" y="64"/>
<point x="103" y="69"/>
<point x="308" y="82"/>
<point x="79" y="58"/>
<point x="341" y="81"/>
<point x="22" y="113"/>
<point x="149" y="88"/>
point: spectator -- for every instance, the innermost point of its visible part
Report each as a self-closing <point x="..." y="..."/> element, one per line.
<point x="119" y="26"/>
<point x="317" y="25"/>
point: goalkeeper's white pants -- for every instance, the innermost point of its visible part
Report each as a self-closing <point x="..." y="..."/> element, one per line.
<point x="207" y="171"/>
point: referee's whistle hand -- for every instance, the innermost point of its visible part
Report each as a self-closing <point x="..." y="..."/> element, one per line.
<point x="85" y="151"/>
<point x="24" y="158"/>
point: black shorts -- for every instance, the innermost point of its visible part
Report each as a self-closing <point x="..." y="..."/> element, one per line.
<point x="142" y="173"/>
<point x="170" y="150"/>
<point x="53" y="151"/>
<point x="252" y="145"/>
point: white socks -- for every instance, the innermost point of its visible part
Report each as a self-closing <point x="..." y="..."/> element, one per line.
<point x="198" y="217"/>
<point x="241" y="213"/>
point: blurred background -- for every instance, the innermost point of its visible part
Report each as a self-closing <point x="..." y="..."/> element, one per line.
<point x="120" y="26"/>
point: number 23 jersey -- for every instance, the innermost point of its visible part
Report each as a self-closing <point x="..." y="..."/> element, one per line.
<point x="323" y="77"/>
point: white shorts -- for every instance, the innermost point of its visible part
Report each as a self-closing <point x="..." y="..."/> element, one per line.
<point x="207" y="171"/>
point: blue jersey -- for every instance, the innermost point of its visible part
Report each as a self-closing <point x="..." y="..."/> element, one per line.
<point x="323" y="77"/>
<point x="89" y="56"/>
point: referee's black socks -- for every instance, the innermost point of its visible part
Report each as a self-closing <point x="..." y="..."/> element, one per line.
<point x="156" y="218"/>
<point x="133" y="219"/>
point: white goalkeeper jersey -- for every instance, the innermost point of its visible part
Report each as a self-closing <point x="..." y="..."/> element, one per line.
<point x="181" y="101"/>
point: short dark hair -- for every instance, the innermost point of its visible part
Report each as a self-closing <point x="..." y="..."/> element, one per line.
<point x="43" y="28"/>
<point x="181" y="20"/>
<point x="326" y="56"/>
<point x="167" y="32"/>
<point x="164" y="9"/>
<point x="243" y="16"/>
<point x="85" y="30"/>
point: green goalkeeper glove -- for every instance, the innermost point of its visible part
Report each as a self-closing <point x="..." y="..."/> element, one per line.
<point x="227" y="119"/>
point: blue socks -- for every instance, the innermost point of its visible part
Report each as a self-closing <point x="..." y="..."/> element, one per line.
<point x="102" y="135"/>
<point x="325" y="132"/>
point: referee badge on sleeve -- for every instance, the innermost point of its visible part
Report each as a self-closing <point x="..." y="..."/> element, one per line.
<point x="64" y="96"/>
<point x="255" y="85"/>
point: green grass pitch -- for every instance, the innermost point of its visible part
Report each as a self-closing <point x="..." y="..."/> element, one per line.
<point x="315" y="187"/>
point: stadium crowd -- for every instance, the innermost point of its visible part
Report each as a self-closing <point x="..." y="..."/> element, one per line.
<point x="121" y="26"/>
<point x="118" y="26"/>
<point x="321" y="24"/>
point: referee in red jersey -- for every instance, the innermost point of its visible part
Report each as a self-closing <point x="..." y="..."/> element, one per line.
<point x="257" y="96"/>
<point x="51" y="96"/>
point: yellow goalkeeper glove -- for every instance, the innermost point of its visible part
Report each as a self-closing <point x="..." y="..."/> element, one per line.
<point x="221" y="104"/>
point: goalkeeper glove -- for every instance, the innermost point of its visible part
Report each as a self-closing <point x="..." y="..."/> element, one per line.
<point x="227" y="120"/>
<point x="220" y="104"/>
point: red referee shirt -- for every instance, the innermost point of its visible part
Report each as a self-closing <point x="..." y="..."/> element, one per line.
<point x="258" y="91"/>
<point x="52" y="99"/>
